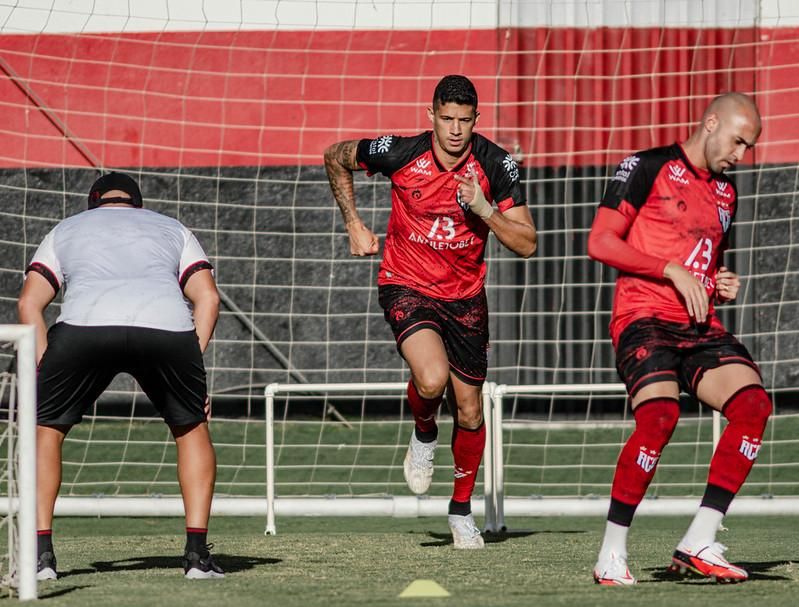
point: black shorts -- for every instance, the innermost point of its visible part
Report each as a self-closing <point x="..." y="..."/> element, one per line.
<point x="462" y="325"/>
<point x="652" y="350"/>
<point x="80" y="363"/>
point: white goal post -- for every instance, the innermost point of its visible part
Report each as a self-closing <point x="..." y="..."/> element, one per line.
<point x="400" y="506"/>
<point x="496" y="504"/>
<point x="591" y="505"/>
<point x="20" y="477"/>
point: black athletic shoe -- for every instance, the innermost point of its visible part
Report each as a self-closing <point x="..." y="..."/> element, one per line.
<point x="47" y="567"/>
<point x="201" y="566"/>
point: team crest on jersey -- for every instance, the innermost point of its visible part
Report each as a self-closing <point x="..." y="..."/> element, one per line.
<point x="381" y="145"/>
<point x="626" y="167"/>
<point x="722" y="188"/>
<point x="676" y="173"/>
<point x="750" y="447"/>
<point x="511" y="167"/>
<point x="647" y="459"/>
<point x="461" y="202"/>
<point x="725" y="217"/>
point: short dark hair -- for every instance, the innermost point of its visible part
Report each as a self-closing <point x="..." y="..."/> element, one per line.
<point x="455" y="89"/>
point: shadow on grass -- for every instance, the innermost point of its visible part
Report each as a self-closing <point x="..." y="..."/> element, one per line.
<point x="758" y="571"/>
<point x="229" y="562"/>
<point x="60" y="591"/>
<point x="493" y="537"/>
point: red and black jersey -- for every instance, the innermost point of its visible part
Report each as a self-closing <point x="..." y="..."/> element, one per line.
<point x="676" y="212"/>
<point x="434" y="243"/>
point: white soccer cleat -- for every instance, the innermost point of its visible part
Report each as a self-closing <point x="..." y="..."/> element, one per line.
<point x="465" y="534"/>
<point x="418" y="466"/>
<point x="707" y="561"/>
<point x="612" y="570"/>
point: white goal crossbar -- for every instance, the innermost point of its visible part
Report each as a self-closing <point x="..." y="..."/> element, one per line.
<point x="23" y="476"/>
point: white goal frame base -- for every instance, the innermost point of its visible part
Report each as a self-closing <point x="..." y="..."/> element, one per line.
<point x="401" y="506"/>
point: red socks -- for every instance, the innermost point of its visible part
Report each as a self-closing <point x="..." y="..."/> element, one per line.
<point x="467" y="451"/>
<point x="655" y="420"/>
<point x="747" y="412"/>
<point x="423" y="409"/>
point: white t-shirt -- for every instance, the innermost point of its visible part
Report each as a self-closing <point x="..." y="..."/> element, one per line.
<point x="122" y="266"/>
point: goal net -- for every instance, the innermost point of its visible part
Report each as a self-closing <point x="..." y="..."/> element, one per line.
<point x="222" y="111"/>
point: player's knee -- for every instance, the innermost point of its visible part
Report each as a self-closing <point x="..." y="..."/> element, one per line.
<point x="470" y="412"/>
<point x="430" y="384"/>
<point x="659" y="416"/>
<point x="470" y="419"/>
<point x="751" y="405"/>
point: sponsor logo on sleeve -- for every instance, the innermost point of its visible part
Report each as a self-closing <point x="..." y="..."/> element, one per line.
<point x="511" y="168"/>
<point x="677" y="173"/>
<point x="626" y="167"/>
<point x="381" y="145"/>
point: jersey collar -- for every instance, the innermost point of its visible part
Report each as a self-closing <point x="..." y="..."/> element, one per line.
<point x="458" y="166"/>
<point x="704" y="174"/>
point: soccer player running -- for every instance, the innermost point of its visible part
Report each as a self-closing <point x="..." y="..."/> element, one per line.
<point x="664" y="223"/>
<point x="449" y="188"/>
<point x="128" y="276"/>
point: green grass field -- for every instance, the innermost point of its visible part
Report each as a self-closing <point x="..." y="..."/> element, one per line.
<point x="364" y="561"/>
<point x="351" y="561"/>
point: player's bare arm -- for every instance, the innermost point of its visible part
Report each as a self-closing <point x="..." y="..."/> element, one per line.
<point x="515" y="228"/>
<point x="340" y="162"/>
<point x="201" y="291"/>
<point x="36" y="295"/>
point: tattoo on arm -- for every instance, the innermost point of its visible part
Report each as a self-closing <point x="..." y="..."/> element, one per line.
<point x="340" y="162"/>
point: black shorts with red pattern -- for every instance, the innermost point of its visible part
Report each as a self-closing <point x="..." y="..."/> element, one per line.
<point x="462" y="325"/>
<point x="652" y="350"/>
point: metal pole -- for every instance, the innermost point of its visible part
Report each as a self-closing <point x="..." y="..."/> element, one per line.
<point x="270" y="460"/>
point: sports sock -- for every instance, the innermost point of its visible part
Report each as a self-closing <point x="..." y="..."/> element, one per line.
<point x="702" y="530"/>
<point x="196" y="539"/>
<point x="44" y="541"/>
<point x="460" y="508"/>
<point x="655" y="420"/>
<point x="467" y="452"/>
<point x="424" y="414"/>
<point x="747" y="412"/>
<point x="615" y="540"/>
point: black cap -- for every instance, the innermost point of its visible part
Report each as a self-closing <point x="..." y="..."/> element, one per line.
<point x="114" y="181"/>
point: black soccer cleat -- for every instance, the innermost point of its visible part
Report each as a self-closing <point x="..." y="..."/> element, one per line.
<point x="47" y="567"/>
<point x="201" y="566"/>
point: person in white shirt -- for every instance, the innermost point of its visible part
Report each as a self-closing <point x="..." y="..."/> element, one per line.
<point x="139" y="297"/>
